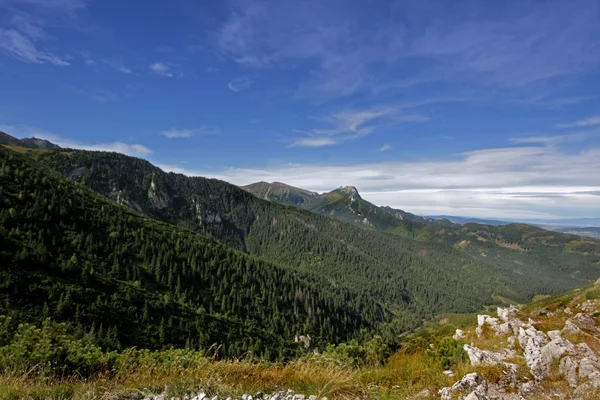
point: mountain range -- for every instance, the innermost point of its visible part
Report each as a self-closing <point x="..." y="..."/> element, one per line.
<point x="95" y="236"/>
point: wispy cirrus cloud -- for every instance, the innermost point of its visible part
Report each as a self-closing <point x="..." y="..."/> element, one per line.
<point x="22" y="131"/>
<point x="584" y="123"/>
<point x="21" y="47"/>
<point x="23" y="33"/>
<point x="353" y="123"/>
<point x="386" y="147"/>
<point x="553" y="140"/>
<point x="240" y="84"/>
<point x="114" y="63"/>
<point x="349" y="49"/>
<point x="173" y="133"/>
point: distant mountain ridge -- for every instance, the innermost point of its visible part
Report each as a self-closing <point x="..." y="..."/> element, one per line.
<point x="31" y="143"/>
<point x="280" y="193"/>
<point x="344" y="203"/>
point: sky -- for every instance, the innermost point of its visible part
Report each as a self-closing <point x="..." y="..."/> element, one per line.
<point x="470" y="108"/>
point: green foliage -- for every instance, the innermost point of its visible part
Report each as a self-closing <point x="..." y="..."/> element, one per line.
<point x="374" y="352"/>
<point x="49" y="349"/>
<point x="447" y="353"/>
<point x="593" y="294"/>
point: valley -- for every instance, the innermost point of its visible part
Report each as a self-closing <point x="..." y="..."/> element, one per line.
<point x="108" y="258"/>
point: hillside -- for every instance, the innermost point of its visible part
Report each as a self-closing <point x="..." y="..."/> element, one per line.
<point x="413" y="278"/>
<point x="523" y="250"/>
<point x="415" y="272"/>
<point x="417" y="269"/>
<point x="31" y="143"/>
<point x="71" y="255"/>
<point x="280" y="193"/>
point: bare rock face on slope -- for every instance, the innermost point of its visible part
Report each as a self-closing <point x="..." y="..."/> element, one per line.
<point x="548" y="355"/>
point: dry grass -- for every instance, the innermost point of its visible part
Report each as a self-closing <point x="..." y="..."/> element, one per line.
<point x="215" y="377"/>
<point x="406" y="373"/>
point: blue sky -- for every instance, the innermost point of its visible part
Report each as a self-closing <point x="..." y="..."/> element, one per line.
<point x="478" y="108"/>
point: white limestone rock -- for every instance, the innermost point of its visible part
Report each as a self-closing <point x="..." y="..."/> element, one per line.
<point x="532" y="341"/>
<point x="484" y="357"/>
<point x="568" y="369"/>
<point x="570" y="327"/>
<point x="589" y="369"/>
<point x="445" y="393"/>
<point x="459" y="334"/>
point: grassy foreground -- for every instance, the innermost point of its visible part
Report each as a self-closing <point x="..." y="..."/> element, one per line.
<point x="345" y="372"/>
<point x="348" y="371"/>
<point x="403" y="376"/>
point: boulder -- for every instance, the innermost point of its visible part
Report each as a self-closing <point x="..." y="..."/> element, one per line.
<point x="570" y="327"/>
<point x="484" y="357"/>
<point x="583" y="350"/>
<point x="568" y="369"/>
<point x="568" y="311"/>
<point x="486" y="320"/>
<point x="460" y="334"/>
<point x="586" y="322"/>
<point x="472" y="383"/>
<point x="588" y="307"/>
<point x="589" y="369"/>
<point x="532" y="341"/>
<point x="423" y="394"/>
<point x="445" y="393"/>
<point x="557" y="347"/>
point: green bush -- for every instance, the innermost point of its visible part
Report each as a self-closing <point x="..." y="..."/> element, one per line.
<point x="49" y="350"/>
<point x="447" y="353"/>
<point x="375" y="352"/>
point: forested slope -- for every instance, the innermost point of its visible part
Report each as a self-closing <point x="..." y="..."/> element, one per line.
<point x="546" y="261"/>
<point x="71" y="255"/>
<point x="415" y="279"/>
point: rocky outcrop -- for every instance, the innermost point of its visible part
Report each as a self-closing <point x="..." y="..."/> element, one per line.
<point x="156" y="198"/>
<point x="542" y="351"/>
<point x="484" y="357"/>
<point x="586" y="322"/>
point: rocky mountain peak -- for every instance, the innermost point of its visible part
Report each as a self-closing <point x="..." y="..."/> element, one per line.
<point x="349" y="190"/>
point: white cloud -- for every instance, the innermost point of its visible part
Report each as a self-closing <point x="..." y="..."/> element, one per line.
<point x="161" y="69"/>
<point x="348" y="49"/>
<point x="22" y="131"/>
<point x="241" y="83"/>
<point x="314" y="142"/>
<point x="24" y="34"/>
<point x="187" y="133"/>
<point x="515" y="182"/>
<point x="386" y="147"/>
<point x="554" y="139"/>
<point x="592" y="121"/>
<point x="21" y="47"/>
<point x="353" y="123"/>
